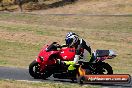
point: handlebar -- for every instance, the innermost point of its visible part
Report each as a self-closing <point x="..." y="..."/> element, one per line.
<point x="58" y="45"/>
<point x="54" y="46"/>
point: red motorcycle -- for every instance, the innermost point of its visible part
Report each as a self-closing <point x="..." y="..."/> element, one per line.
<point x="46" y="63"/>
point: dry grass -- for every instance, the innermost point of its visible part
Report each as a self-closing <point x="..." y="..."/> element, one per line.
<point x="19" y="84"/>
<point x="79" y="7"/>
<point x="91" y="7"/>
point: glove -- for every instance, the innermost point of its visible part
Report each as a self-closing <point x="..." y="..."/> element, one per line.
<point x="59" y="46"/>
<point x="58" y="61"/>
<point x="91" y="55"/>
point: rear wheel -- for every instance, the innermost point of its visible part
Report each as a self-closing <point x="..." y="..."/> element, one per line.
<point x="106" y="69"/>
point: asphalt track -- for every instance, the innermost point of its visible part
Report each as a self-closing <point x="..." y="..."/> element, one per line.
<point x="22" y="74"/>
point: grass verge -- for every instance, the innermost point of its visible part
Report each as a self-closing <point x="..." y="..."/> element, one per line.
<point x="20" y="84"/>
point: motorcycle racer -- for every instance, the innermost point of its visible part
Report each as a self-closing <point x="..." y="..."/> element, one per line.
<point x="73" y="40"/>
<point x="66" y="61"/>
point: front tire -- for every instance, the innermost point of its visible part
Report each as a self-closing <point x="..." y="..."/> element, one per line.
<point x="34" y="71"/>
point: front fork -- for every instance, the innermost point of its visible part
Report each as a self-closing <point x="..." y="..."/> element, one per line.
<point x="42" y="66"/>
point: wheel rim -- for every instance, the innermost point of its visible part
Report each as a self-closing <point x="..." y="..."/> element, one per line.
<point x="36" y="70"/>
<point x="105" y="71"/>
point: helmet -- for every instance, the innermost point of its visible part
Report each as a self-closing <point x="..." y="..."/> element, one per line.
<point x="71" y="38"/>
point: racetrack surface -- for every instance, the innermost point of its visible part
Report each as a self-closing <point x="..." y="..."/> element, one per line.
<point x="22" y="74"/>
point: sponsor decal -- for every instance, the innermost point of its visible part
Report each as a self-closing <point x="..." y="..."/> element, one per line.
<point x="115" y="78"/>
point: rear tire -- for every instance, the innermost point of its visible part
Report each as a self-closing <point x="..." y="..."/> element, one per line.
<point x="107" y="68"/>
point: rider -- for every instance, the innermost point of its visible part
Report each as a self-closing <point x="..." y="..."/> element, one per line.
<point x="73" y="40"/>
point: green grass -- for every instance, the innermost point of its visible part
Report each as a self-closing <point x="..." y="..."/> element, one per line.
<point x="3" y="62"/>
<point x="25" y="28"/>
<point x="17" y="54"/>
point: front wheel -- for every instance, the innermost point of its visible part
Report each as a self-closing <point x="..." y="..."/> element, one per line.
<point x="34" y="71"/>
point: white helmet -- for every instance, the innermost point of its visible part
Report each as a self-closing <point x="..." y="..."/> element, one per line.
<point x="71" y="38"/>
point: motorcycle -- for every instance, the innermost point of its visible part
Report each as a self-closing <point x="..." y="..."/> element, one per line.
<point x="46" y="64"/>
